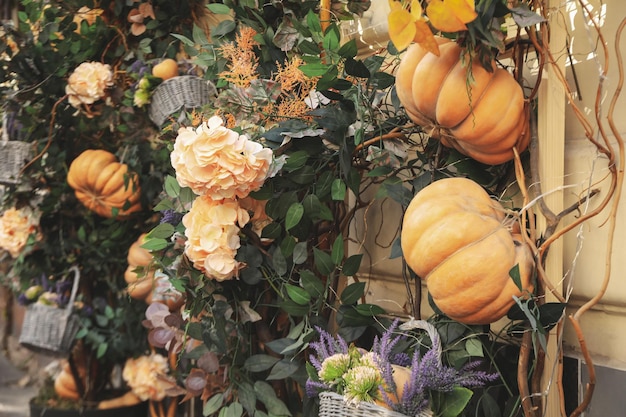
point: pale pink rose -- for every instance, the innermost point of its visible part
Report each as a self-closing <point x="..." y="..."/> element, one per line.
<point x="218" y="161"/>
<point x="88" y="83"/>
<point x="16" y="226"/>
<point x="212" y="227"/>
<point x="146" y="376"/>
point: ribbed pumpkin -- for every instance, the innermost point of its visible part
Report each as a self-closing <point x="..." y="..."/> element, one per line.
<point x="139" y="286"/>
<point x="454" y="237"/>
<point x="102" y="184"/>
<point x="150" y="286"/>
<point x="483" y="119"/>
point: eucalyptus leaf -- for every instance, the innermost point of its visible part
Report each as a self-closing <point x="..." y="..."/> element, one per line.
<point x="260" y="362"/>
<point x="297" y="294"/>
<point x="283" y="369"/>
<point x="323" y="262"/>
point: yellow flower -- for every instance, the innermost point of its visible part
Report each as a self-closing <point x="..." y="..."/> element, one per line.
<point x="144" y="375"/>
<point x="16" y="226"/>
<point x="218" y="161"/>
<point x="88" y="83"/>
<point x="212" y="231"/>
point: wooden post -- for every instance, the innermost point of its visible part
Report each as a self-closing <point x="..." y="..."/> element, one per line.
<point x="551" y="132"/>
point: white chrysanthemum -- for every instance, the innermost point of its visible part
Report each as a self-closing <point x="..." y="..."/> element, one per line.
<point x="362" y="383"/>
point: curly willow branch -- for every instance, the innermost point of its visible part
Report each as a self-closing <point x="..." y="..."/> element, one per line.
<point x="575" y="318"/>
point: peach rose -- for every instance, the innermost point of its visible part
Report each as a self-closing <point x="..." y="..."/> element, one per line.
<point x="144" y="376"/>
<point x="16" y="226"/>
<point x="212" y="231"/>
<point x="88" y="83"/>
<point x="218" y="161"/>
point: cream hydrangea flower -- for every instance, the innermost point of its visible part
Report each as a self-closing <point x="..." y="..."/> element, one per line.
<point x="218" y="161"/>
<point x="88" y="83"/>
<point x="212" y="231"/>
<point x="145" y="376"/>
<point x="16" y="226"/>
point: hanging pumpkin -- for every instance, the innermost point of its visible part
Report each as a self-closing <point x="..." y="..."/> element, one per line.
<point x="482" y="116"/>
<point x="149" y="285"/>
<point x="104" y="185"/>
<point x="455" y="237"/>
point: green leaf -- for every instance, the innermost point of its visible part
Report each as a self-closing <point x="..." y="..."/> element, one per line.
<point x="266" y="394"/>
<point x="283" y="369"/>
<point x="155" y="244"/>
<point x="162" y="231"/>
<point x="315" y="70"/>
<point x="300" y="253"/>
<point x="234" y="409"/>
<point x="356" y="68"/>
<point x="313" y="22"/>
<point x="474" y="347"/>
<point x="312" y="206"/>
<point x="352" y="264"/>
<point x="515" y="276"/>
<point x="323" y="262"/>
<point x="331" y="38"/>
<point x="337" y="250"/>
<point x="259" y="362"/>
<point x="102" y="350"/>
<point x="185" y="40"/>
<point x="172" y="188"/>
<point x="312" y="284"/>
<point x="338" y="190"/>
<point x="352" y="293"/>
<point x="296" y="160"/>
<point x="218" y="8"/>
<point x="294" y="215"/>
<point x="297" y="294"/>
<point x="369" y="310"/>
<point x="213" y="404"/>
<point x="279" y="262"/>
<point x="456" y="401"/>
<point x="348" y="49"/>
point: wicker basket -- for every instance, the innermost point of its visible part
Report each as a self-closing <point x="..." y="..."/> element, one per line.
<point x="13" y="155"/>
<point x="51" y="330"/>
<point x="334" y="405"/>
<point x="174" y="94"/>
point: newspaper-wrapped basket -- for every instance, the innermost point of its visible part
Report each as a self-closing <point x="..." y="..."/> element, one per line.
<point x="49" y="329"/>
<point x="177" y="93"/>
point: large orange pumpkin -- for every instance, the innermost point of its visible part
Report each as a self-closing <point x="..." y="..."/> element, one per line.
<point x="454" y="236"/>
<point x="65" y="385"/>
<point x="483" y="119"/>
<point x="104" y="185"/>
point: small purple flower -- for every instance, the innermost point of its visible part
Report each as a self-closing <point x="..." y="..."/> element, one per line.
<point x="172" y="217"/>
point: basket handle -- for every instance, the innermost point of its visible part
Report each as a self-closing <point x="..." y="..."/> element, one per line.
<point x="76" y="271"/>
<point x="430" y="329"/>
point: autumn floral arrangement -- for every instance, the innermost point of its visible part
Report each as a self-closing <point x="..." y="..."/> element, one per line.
<point x="244" y="205"/>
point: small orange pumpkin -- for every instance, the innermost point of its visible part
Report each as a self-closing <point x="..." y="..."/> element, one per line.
<point x="150" y="285"/>
<point x="65" y="385"/>
<point x="483" y="119"/>
<point x="454" y="236"/>
<point x="104" y="185"/>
